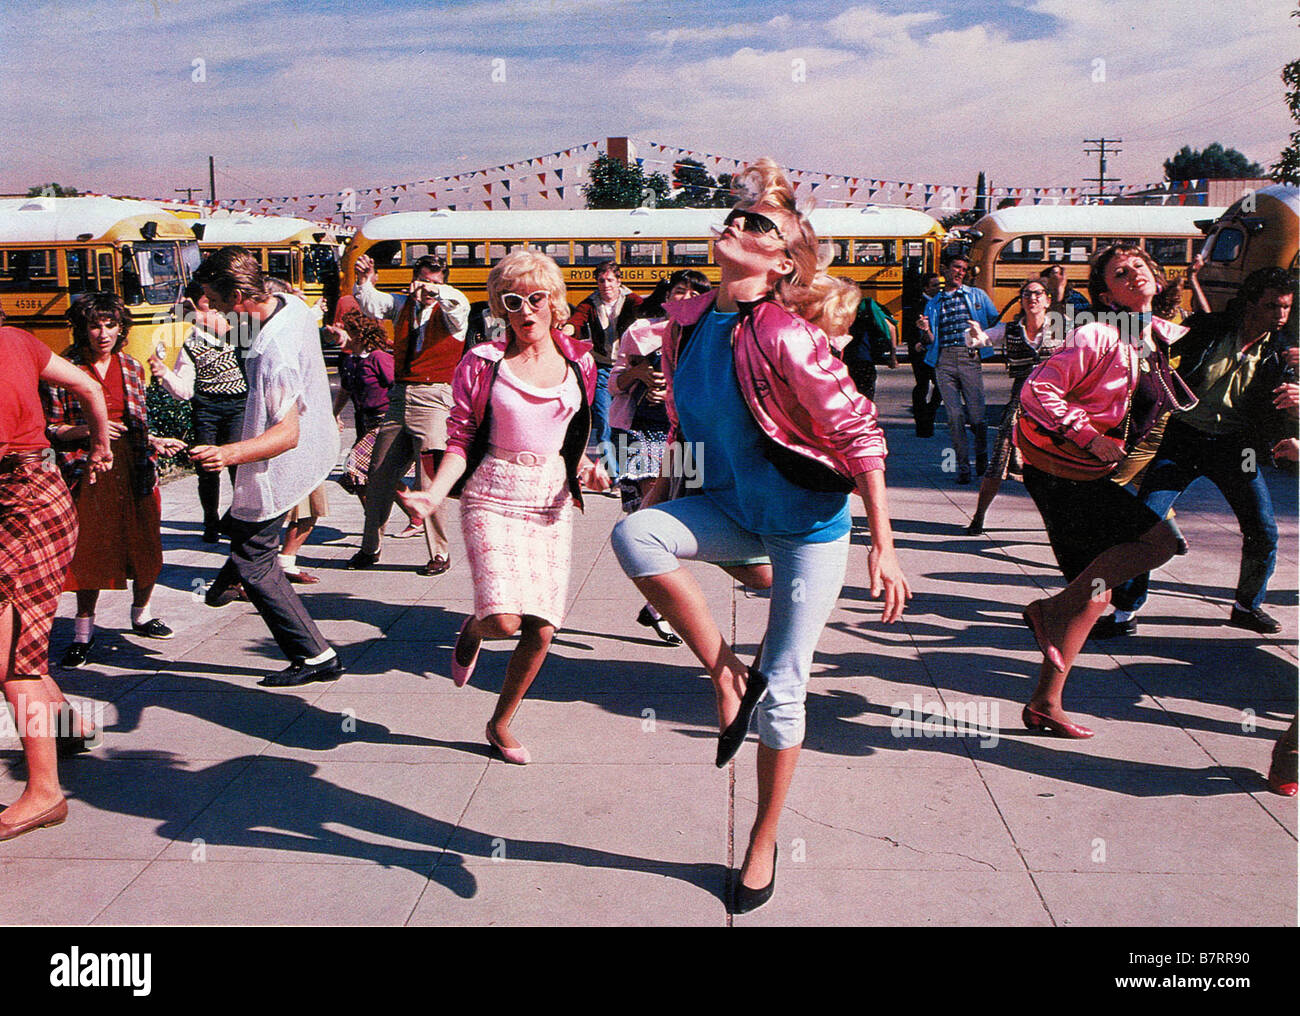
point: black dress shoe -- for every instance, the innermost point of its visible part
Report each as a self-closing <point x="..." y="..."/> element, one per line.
<point x="300" y="672"/>
<point x="1254" y="620"/>
<point x="745" y="899"/>
<point x="76" y="655"/>
<point x="660" y="626"/>
<point x="224" y="589"/>
<point x="1109" y="628"/>
<point x="362" y="559"/>
<point x="976" y="527"/>
<point x="730" y="740"/>
<point x="211" y="534"/>
<point x="153" y="629"/>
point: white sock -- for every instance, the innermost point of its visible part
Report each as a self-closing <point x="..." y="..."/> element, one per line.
<point x="141" y="615"/>
<point x="288" y="562"/>
<point x="1122" y="616"/>
<point x="327" y="655"/>
<point x="83" y="628"/>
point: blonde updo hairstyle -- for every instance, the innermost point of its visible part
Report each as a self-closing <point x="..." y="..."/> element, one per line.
<point x="528" y="270"/>
<point x="763" y="183"/>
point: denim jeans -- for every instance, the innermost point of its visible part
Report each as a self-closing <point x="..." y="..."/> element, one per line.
<point x="1187" y="454"/>
<point x="600" y="430"/>
<point x="217" y="420"/>
<point x="806" y="581"/>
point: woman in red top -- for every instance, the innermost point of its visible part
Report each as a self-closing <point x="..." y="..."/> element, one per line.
<point x="120" y="516"/>
<point x="38" y="530"/>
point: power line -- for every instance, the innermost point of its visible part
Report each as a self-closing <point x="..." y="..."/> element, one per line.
<point x="1100" y="152"/>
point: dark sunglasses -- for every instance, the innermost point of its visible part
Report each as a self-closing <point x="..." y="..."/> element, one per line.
<point x="753" y="222"/>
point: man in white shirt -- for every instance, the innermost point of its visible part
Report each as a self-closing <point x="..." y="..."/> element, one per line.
<point x="288" y="446"/>
<point x="429" y="325"/>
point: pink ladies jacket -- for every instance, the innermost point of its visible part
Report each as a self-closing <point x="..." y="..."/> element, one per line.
<point x="1083" y="391"/>
<point x="469" y="423"/>
<point x="798" y="392"/>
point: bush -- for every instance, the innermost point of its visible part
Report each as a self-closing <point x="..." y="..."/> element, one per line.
<point x="169" y="417"/>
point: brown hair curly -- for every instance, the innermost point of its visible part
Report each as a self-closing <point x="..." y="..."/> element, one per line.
<point x="90" y="308"/>
<point x="364" y="331"/>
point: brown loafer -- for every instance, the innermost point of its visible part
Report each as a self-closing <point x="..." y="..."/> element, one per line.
<point x="49" y="817"/>
<point x="302" y="578"/>
<point x="437" y="566"/>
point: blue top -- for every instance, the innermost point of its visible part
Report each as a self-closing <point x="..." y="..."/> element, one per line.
<point x="737" y="476"/>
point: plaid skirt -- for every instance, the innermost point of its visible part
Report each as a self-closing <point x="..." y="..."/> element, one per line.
<point x="38" y="534"/>
<point x="517" y="522"/>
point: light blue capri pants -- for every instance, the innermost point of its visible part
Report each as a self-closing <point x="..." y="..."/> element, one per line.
<point x="806" y="582"/>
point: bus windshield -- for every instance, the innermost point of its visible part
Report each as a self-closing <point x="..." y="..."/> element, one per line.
<point x="161" y="273"/>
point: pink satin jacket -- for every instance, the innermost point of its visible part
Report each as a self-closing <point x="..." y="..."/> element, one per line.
<point x="798" y="392"/>
<point x="1083" y="391"/>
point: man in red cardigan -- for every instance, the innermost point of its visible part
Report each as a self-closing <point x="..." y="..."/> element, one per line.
<point x="429" y="325"/>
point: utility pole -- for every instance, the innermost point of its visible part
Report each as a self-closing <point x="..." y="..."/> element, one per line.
<point x="212" y="183"/>
<point x="189" y="192"/>
<point x="1101" y="152"/>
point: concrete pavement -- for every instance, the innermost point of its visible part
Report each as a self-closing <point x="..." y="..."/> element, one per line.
<point x="374" y="800"/>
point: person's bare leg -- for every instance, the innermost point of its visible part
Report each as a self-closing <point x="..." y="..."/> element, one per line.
<point x="535" y="638"/>
<point x="679" y="599"/>
<point x="1051" y="680"/>
<point x="775" y="773"/>
<point x="988" y="491"/>
<point x="295" y="537"/>
<point x="1111" y="568"/>
<point x="751" y="576"/>
<point x="33" y="708"/>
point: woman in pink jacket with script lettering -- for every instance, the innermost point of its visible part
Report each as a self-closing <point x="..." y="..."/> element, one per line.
<point x="784" y="437"/>
<point x="516" y="444"/>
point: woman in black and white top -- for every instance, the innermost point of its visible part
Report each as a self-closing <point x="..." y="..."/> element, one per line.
<point x="210" y="376"/>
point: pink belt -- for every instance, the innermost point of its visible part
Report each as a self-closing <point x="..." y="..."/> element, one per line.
<point x="522" y="458"/>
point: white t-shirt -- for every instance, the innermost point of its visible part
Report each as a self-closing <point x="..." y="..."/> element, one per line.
<point x="285" y="368"/>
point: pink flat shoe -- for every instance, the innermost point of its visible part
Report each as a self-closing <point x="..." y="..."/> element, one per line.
<point x="461" y="675"/>
<point x="519" y="756"/>
<point x="49" y="817"/>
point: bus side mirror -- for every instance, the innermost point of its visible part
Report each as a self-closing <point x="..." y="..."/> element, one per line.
<point x="132" y="293"/>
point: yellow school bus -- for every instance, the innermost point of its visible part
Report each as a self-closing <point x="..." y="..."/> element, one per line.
<point x="1259" y="231"/>
<point x="1013" y="244"/>
<point x="54" y="249"/>
<point x="878" y="247"/>
<point x="301" y="253"/>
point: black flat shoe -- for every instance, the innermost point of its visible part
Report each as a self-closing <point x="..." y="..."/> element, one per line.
<point x="660" y="626"/>
<point x="300" y="672"/>
<point x="1109" y="628"/>
<point x="76" y="655"/>
<point x="153" y="629"/>
<point x="730" y="740"/>
<point x="745" y="899"/>
<point x="362" y="559"/>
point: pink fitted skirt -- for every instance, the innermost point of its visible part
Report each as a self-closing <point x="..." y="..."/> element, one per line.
<point x="517" y="522"/>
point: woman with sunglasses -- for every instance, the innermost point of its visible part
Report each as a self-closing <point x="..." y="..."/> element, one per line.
<point x="1082" y="412"/>
<point x="516" y="441"/>
<point x="1025" y="342"/>
<point x="785" y="435"/>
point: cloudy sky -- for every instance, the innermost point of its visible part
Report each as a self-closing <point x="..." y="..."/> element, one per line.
<point x="131" y="96"/>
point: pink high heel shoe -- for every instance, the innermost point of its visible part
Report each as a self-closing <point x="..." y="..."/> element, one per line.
<point x="461" y="675"/>
<point x="1034" y="720"/>
<point x="519" y="756"/>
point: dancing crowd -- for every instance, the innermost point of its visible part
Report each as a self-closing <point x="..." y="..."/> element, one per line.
<point x="768" y="378"/>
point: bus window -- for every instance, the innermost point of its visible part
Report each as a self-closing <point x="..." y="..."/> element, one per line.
<point x="557" y="251"/>
<point x="496" y="251"/>
<point x="688" y="252"/>
<point x="1074" y="249"/>
<point x="466" y="255"/>
<point x="319" y="263"/>
<point x="641" y="252"/>
<point x="81" y="271"/>
<point x="874" y="252"/>
<point x="837" y="249"/>
<point x="592" y="252"/>
<point x="1167" y="250"/>
<point x="159" y="268"/>
<point x="386" y="253"/>
<point x="415" y="251"/>
<point x="29" y="269"/>
<point x="1227" y="245"/>
<point x="279" y="264"/>
<point x="106" y="269"/>
<point x="1022" y="249"/>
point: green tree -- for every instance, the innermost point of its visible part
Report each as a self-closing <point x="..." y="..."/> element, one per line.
<point x="1287" y="167"/>
<point x="615" y="185"/>
<point x="51" y="190"/>
<point x="697" y="189"/>
<point x="1215" y="163"/>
